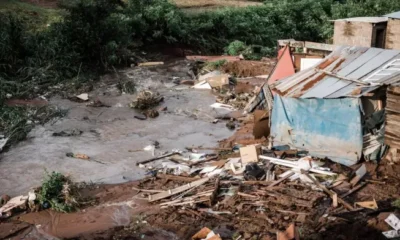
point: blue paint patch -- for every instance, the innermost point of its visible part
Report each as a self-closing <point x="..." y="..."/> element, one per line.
<point x="324" y="127"/>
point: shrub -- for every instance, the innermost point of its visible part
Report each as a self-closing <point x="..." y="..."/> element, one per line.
<point x="59" y="192"/>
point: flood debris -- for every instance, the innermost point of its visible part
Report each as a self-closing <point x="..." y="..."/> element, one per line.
<point x="97" y="104"/>
<point x="149" y="64"/>
<point x="368" y="204"/>
<point x="68" y="133"/>
<point x="3" y="142"/>
<point x="83" y="96"/>
<point x="82" y="157"/>
<point x="13" y="203"/>
<point x="146" y="99"/>
<point x="394" y="222"/>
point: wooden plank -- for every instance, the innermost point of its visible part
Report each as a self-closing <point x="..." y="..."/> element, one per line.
<point x="361" y="185"/>
<point x="176" y="178"/>
<point x="320" y="46"/>
<point x="331" y="193"/>
<point x="171" y="192"/>
<point x="203" y="161"/>
<point x="281" y="180"/>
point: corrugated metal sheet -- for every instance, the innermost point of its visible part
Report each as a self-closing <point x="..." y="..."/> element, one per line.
<point x="346" y="72"/>
<point x="393" y="15"/>
<point x="364" y="19"/>
<point x="324" y="127"/>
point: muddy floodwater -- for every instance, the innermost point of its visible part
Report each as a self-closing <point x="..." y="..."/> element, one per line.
<point x="112" y="135"/>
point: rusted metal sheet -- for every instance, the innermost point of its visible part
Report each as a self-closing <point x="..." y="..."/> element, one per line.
<point x="324" y="127"/>
<point x="346" y="72"/>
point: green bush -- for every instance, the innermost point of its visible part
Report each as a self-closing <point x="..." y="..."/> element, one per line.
<point x="58" y="192"/>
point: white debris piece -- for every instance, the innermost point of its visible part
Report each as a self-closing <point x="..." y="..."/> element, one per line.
<point x="13" y="203"/>
<point x="394" y="222"/>
<point x="222" y="106"/>
<point x="177" y="169"/>
<point x="83" y="96"/>
<point x="3" y="142"/>
<point x="202" y="85"/>
<point x="305" y="163"/>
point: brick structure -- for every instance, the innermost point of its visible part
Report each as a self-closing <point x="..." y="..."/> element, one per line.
<point x="393" y="34"/>
<point x="361" y="31"/>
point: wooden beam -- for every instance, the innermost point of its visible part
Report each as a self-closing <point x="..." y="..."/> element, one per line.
<point x="331" y="193"/>
<point x="171" y="192"/>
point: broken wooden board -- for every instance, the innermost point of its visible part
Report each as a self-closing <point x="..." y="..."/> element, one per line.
<point x="156" y="158"/>
<point x="147" y="64"/>
<point x="359" y="175"/>
<point x="13" y="203"/>
<point x="176" y="178"/>
<point x="291" y="233"/>
<point x="250" y="153"/>
<point x="171" y="192"/>
<point x="367" y="204"/>
<point x="329" y="192"/>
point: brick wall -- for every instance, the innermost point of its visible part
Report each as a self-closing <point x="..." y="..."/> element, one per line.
<point x="353" y="33"/>
<point x="393" y="34"/>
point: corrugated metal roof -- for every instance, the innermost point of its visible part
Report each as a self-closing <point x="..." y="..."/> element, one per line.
<point x="346" y="72"/>
<point x="364" y="19"/>
<point x="393" y="15"/>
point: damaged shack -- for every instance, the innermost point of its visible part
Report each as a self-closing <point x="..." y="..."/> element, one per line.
<point x="336" y="109"/>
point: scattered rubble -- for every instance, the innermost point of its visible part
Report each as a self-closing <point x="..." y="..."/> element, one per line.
<point x="146" y="99"/>
<point x="246" y="188"/>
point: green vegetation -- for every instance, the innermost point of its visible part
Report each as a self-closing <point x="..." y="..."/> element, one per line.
<point x="36" y="17"/>
<point x="58" y="192"/>
<point x="84" y="38"/>
<point x="396" y="203"/>
<point x="16" y="122"/>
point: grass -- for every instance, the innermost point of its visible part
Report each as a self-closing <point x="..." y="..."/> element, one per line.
<point x="39" y="17"/>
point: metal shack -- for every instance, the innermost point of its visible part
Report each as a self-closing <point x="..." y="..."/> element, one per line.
<point x="336" y="109"/>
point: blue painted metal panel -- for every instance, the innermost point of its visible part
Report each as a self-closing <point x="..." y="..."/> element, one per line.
<point x="324" y="127"/>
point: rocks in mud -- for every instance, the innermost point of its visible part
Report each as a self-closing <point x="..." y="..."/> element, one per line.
<point x="97" y="103"/>
<point x="231" y="125"/>
<point x="146" y="100"/>
<point x="152" y="113"/>
<point x="68" y="133"/>
<point x="4" y="199"/>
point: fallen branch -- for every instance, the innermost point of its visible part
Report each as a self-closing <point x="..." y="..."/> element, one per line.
<point x="156" y="158"/>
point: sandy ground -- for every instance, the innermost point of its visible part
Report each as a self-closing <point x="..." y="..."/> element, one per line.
<point x="109" y="133"/>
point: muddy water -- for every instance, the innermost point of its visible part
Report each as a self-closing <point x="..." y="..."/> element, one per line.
<point x="109" y="133"/>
